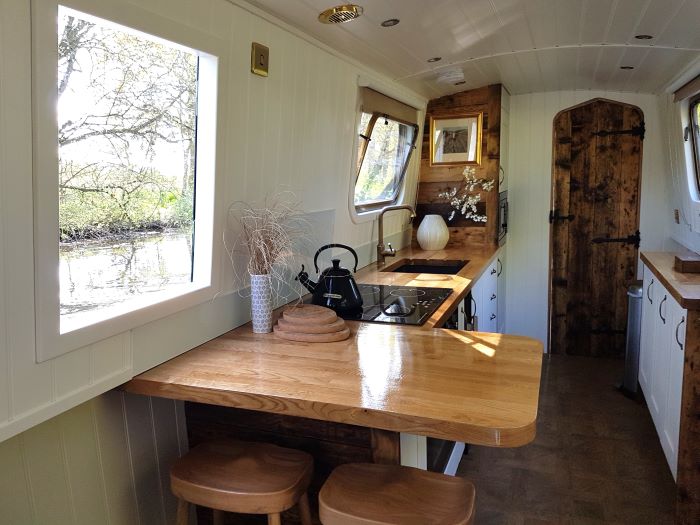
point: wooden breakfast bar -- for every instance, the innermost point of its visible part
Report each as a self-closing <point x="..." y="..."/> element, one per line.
<point x="474" y="387"/>
<point x="376" y="396"/>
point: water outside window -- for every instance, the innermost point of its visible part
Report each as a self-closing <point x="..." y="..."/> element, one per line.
<point x="126" y="140"/>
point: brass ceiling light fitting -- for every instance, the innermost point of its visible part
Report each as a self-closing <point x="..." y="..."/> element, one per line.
<point x="340" y="14"/>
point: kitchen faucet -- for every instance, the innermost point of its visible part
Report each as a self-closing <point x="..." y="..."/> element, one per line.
<point x="388" y="251"/>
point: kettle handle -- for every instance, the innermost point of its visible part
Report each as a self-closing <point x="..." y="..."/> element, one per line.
<point x="334" y="245"/>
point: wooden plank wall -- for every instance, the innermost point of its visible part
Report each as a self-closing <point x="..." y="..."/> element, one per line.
<point x="435" y="179"/>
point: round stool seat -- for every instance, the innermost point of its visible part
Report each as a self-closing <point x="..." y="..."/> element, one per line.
<point x="235" y="476"/>
<point x="372" y="494"/>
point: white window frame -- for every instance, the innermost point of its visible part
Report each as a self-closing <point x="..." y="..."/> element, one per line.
<point x="357" y="216"/>
<point x="50" y="343"/>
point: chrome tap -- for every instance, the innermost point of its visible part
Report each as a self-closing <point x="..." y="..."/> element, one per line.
<point x="388" y="251"/>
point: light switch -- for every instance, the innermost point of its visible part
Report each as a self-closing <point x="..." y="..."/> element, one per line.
<point x="259" y="59"/>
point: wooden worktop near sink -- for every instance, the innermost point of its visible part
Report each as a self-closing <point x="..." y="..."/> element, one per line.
<point x="479" y="257"/>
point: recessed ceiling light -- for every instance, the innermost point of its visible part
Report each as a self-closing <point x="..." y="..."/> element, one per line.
<point x="435" y="59"/>
<point x="340" y="14"/>
<point x="643" y="37"/>
<point x="390" y="22"/>
<point x="460" y="82"/>
<point x="626" y="67"/>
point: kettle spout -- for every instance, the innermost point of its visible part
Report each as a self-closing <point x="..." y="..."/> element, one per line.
<point x="303" y="278"/>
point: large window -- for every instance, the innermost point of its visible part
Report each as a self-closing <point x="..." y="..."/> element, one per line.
<point x="120" y="176"/>
<point x="385" y="149"/>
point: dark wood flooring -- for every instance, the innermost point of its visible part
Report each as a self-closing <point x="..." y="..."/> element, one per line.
<point x="596" y="458"/>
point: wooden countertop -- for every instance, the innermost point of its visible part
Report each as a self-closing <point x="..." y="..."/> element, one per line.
<point x="464" y="386"/>
<point x="684" y="287"/>
<point x="479" y="258"/>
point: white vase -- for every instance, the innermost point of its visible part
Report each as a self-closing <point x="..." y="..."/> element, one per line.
<point x="261" y="303"/>
<point x="432" y="233"/>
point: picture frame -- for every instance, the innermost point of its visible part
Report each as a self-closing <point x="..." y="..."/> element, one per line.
<point x="456" y="139"/>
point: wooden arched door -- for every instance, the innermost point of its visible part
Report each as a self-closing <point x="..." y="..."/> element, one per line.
<point x="594" y="225"/>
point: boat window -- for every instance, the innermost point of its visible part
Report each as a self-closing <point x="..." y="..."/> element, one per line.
<point x="695" y="133"/>
<point x="385" y="149"/>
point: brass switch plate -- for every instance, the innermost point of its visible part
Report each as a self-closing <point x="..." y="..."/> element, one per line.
<point x="259" y="59"/>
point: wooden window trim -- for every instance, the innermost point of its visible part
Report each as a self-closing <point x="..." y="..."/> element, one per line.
<point x="694" y="129"/>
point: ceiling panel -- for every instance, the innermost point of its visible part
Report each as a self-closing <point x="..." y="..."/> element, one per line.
<point x="528" y="45"/>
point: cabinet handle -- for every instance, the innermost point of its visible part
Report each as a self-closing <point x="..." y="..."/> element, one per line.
<point x="677" y="327"/>
<point x="493" y="270"/>
<point x="493" y="296"/>
<point x="474" y="303"/>
<point x="493" y="316"/>
<point x="660" y="305"/>
<point x="649" y="290"/>
<point x="499" y="265"/>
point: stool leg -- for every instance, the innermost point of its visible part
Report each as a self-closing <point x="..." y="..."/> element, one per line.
<point x="274" y="519"/>
<point x="218" y="517"/>
<point x="183" y="512"/>
<point x="304" y="510"/>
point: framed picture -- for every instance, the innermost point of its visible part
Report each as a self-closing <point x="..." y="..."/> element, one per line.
<point x="455" y="140"/>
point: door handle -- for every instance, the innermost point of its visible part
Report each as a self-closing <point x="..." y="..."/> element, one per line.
<point x="660" y="305"/>
<point x="677" y="327"/>
<point x="649" y="290"/>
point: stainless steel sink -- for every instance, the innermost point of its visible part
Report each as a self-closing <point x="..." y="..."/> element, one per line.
<point x="443" y="267"/>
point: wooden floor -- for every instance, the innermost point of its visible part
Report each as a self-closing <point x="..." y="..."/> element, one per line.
<point x="596" y="458"/>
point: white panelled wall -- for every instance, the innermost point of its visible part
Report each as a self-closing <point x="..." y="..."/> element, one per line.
<point x="529" y="195"/>
<point x="105" y="460"/>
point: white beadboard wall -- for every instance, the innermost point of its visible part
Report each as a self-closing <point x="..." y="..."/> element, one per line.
<point x="104" y="459"/>
<point x="529" y="196"/>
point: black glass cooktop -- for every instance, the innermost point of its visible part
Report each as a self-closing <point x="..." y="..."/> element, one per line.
<point x="397" y="304"/>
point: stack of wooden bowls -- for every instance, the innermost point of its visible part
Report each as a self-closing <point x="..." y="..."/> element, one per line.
<point x="311" y="324"/>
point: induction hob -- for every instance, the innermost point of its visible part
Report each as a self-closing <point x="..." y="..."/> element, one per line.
<point x="397" y="304"/>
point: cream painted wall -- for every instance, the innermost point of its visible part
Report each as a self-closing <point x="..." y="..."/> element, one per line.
<point x="293" y="130"/>
<point x="105" y="461"/>
<point x="529" y="195"/>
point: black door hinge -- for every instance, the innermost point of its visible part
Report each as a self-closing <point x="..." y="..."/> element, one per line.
<point x="637" y="131"/>
<point x="630" y="239"/>
<point x="554" y="215"/>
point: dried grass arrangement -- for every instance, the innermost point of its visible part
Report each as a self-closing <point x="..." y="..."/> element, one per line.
<point x="269" y="235"/>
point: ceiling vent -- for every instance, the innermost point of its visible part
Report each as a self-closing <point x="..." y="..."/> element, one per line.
<point x="340" y="14"/>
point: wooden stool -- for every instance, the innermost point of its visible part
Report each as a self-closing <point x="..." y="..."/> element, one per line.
<point x="372" y="494"/>
<point x="249" y="478"/>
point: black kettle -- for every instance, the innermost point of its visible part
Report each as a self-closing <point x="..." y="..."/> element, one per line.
<point x="336" y="288"/>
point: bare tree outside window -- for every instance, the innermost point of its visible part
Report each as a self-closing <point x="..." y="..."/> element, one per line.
<point x="126" y="137"/>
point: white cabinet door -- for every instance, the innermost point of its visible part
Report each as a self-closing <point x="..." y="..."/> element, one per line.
<point x="501" y="290"/>
<point x="672" y="413"/>
<point x="485" y="303"/>
<point x="663" y="333"/>
<point x="647" y="337"/>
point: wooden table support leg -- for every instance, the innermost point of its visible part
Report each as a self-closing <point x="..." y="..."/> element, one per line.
<point x="386" y="447"/>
